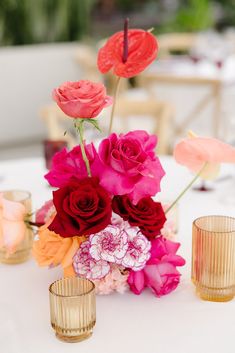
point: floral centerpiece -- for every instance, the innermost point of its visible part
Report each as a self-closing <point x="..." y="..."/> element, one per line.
<point x="103" y="222"/>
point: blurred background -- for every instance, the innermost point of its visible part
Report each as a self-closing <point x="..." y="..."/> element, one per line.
<point x="43" y="43"/>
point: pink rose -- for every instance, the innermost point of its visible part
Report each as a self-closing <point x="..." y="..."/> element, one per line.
<point x="82" y="99"/>
<point x="129" y="165"/>
<point x="66" y="165"/>
<point x="160" y="273"/>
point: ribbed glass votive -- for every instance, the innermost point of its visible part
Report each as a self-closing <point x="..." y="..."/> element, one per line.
<point x="213" y="257"/>
<point x="23" y="250"/>
<point x="73" y="308"/>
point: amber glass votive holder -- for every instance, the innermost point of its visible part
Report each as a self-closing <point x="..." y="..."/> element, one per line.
<point x="213" y="258"/>
<point x="51" y="147"/>
<point x="73" y="308"/>
<point x="23" y="250"/>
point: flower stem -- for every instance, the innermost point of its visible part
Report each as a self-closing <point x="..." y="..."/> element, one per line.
<point x="34" y="224"/>
<point x="187" y="187"/>
<point x="114" y="103"/>
<point x="84" y="156"/>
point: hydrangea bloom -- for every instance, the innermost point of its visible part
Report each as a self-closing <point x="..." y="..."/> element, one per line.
<point x="85" y="266"/>
<point x="116" y="280"/>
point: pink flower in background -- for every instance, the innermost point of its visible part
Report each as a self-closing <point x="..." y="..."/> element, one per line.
<point x="45" y="212"/>
<point x="12" y="226"/>
<point x="193" y="152"/>
<point x="109" y="244"/>
<point x="129" y="165"/>
<point x="82" y="99"/>
<point x="138" y="251"/>
<point x="116" y="280"/>
<point x="85" y="266"/>
<point x="160" y="273"/>
<point x="169" y="231"/>
<point x="68" y="164"/>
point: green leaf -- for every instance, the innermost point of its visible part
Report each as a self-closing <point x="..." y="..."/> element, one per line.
<point x="94" y="122"/>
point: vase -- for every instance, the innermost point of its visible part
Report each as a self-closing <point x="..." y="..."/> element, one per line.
<point x="23" y="250"/>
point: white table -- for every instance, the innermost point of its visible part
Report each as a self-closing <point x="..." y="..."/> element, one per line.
<point x="177" y="323"/>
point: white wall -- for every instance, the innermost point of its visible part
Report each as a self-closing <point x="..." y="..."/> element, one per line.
<point x="27" y="76"/>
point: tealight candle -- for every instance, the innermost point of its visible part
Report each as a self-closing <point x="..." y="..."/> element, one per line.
<point x="73" y="308"/>
<point x="213" y="257"/>
<point x="23" y="249"/>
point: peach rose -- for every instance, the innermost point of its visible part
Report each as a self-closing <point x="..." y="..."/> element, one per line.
<point x="52" y="250"/>
<point x="82" y="99"/>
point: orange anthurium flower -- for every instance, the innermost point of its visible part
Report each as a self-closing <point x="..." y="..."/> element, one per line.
<point x="142" y="51"/>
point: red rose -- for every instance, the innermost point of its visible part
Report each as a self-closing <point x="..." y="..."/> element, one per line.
<point x="83" y="207"/>
<point x="147" y="214"/>
<point x="142" y="51"/>
<point x="82" y="99"/>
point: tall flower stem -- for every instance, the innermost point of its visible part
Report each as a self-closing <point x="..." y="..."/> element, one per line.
<point x="80" y="130"/>
<point x="187" y="187"/>
<point x="114" y="102"/>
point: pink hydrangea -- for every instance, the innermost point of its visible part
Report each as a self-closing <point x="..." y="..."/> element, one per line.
<point x="138" y="251"/>
<point x="85" y="266"/>
<point x="168" y="231"/>
<point x="110" y="244"/>
<point x="114" y="281"/>
<point x="45" y="212"/>
<point x="160" y="273"/>
<point x="68" y="164"/>
<point x="129" y="165"/>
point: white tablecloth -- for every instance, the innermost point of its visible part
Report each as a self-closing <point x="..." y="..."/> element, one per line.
<point x="177" y="323"/>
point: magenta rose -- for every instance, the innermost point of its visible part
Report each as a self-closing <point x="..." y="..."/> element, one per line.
<point x="83" y="207"/>
<point x="82" y="99"/>
<point x="160" y="273"/>
<point x="67" y="164"/>
<point x="129" y="165"/>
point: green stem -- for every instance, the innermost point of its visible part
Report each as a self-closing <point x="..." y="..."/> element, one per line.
<point x="79" y="127"/>
<point x="187" y="187"/>
<point x="114" y="103"/>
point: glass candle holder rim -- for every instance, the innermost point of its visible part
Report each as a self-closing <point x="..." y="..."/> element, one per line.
<point x="213" y="231"/>
<point x="71" y="296"/>
<point x="26" y="192"/>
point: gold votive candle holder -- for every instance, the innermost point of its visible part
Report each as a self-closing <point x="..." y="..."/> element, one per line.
<point x="213" y="257"/>
<point x="23" y="250"/>
<point x="72" y="308"/>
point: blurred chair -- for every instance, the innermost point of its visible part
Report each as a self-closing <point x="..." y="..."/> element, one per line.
<point x="56" y="123"/>
<point x="86" y="57"/>
<point x="162" y="113"/>
<point x="178" y="43"/>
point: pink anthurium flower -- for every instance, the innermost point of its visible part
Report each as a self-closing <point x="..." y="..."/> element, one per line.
<point x="12" y="226"/>
<point x="194" y="152"/>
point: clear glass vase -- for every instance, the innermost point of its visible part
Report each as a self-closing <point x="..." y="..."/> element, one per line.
<point x="23" y="250"/>
<point x="213" y="257"/>
<point x="73" y="308"/>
